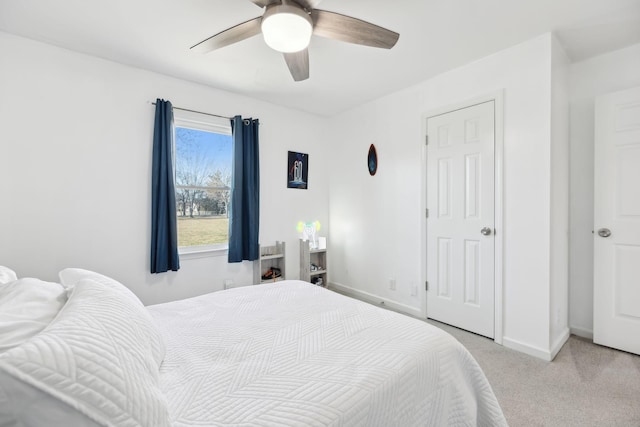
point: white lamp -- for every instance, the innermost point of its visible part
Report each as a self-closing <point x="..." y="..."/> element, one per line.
<point x="286" y="28"/>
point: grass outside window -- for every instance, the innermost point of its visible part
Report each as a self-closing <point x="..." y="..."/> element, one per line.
<point x="210" y="230"/>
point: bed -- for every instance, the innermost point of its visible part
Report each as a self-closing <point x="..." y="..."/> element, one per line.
<point x="282" y="354"/>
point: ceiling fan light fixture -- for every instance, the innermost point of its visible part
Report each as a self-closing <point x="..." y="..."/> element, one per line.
<point x="286" y="28"/>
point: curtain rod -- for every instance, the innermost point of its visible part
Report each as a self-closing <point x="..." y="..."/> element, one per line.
<point x="199" y="112"/>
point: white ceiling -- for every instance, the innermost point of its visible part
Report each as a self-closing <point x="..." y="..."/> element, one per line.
<point x="435" y="36"/>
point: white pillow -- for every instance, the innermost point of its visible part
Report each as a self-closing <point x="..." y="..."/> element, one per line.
<point x="27" y="306"/>
<point x="7" y="275"/>
<point x="70" y="277"/>
<point x="96" y="357"/>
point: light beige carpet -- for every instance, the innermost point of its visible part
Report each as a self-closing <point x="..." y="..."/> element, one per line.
<point x="585" y="385"/>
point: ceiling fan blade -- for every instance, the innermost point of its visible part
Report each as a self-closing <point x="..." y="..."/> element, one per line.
<point x="298" y="63"/>
<point x="348" y="29"/>
<point x="264" y="3"/>
<point x="229" y="36"/>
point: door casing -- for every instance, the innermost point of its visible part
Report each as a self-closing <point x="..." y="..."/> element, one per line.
<point x="498" y="98"/>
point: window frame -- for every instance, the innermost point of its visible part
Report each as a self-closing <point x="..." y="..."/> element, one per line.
<point x="206" y="123"/>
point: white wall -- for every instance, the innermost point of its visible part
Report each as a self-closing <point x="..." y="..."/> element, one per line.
<point x="377" y="221"/>
<point x="75" y="156"/>
<point x="559" y="250"/>
<point x="603" y="74"/>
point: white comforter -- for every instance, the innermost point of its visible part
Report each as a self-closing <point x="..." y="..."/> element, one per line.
<point x="293" y="354"/>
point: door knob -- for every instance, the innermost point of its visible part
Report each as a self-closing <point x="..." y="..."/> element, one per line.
<point x="604" y="232"/>
<point x="486" y="231"/>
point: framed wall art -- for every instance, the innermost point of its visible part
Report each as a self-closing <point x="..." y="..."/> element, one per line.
<point x="297" y="170"/>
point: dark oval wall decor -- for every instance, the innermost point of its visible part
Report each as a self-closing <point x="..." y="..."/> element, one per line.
<point x="372" y="160"/>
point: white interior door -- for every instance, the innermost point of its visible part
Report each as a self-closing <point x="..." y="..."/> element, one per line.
<point x="616" y="302"/>
<point x="460" y="225"/>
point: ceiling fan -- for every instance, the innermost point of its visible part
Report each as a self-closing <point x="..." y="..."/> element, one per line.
<point x="287" y="26"/>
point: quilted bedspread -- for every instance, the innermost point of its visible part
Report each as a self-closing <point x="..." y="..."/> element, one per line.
<point x="294" y="354"/>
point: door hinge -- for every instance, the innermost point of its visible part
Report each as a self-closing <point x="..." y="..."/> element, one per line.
<point x="426" y="285"/>
<point x="426" y="139"/>
<point x="427" y="213"/>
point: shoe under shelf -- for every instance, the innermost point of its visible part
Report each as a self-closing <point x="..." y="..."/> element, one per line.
<point x="271" y="258"/>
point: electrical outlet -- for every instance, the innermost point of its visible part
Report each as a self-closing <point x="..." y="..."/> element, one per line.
<point x="414" y="290"/>
<point x="228" y="283"/>
<point x="392" y="284"/>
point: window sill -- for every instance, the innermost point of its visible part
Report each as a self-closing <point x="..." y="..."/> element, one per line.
<point x="195" y="252"/>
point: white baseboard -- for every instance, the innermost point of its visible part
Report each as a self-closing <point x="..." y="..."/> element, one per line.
<point x="375" y="299"/>
<point x="538" y="352"/>
<point x="526" y="349"/>
<point x="581" y="332"/>
<point x="559" y="342"/>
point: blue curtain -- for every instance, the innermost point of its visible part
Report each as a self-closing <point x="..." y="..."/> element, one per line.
<point x="164" y="228"/>
<point x="244" y="219"/>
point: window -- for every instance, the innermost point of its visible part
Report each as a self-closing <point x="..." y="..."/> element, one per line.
<point x="203" y="156"/>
